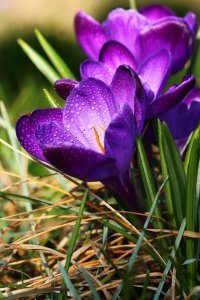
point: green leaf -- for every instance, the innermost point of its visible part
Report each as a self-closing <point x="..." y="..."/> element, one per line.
<point x="176" y="175"/>
<point x="144" y="295"/>
<point x="89" y="282"/>
<point x="52" y="102"/>
<point x="74" y="235"/>
<point x="118" y="230"/>
<point x="190" y="147"/>
<point x="11" y="196"/>
<point x="195" y="59"/>
<point x="140" y="239"/>
<point x="54" y="57"/>
<point x="68" y="282"/>
<point x="189" y="261"/>
<point x="191" y="199"/>
<point x="45" y="68"/>
<point x="147" y="180"/>
<point x="169" y="263"/>
<point x="168" y="192"/>
<point x="130" y="237"/>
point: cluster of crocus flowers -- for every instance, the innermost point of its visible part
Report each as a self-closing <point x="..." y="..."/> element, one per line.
<point x="132" y="56"/>
<point x="93" y="137"/>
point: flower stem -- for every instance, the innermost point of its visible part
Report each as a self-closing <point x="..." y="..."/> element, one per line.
<point x="133" y="4"/>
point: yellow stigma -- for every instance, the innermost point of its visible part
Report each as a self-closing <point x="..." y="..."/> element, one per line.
<point x="98" y="140"/>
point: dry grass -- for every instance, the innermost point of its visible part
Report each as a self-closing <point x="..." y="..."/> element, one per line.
<point x="47" y="229"/>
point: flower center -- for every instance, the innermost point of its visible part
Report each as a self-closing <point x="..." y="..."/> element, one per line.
<point x="97" y="138"/>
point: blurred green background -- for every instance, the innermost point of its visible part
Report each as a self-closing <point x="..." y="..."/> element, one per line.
<point x="21" y="83"/>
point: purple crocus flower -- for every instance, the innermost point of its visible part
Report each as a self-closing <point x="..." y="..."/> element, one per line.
<point x="130" y="37"/>
<point x="154" y="73"/>
<point x="93" y="137"/>
<point x="183" y="118"/>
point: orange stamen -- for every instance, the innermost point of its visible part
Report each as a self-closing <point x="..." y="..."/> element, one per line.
<point x="102" y="128"/>
<point x="98" y="140"/>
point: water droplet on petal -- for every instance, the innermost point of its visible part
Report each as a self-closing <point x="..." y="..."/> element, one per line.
<point x="89" y="126"/>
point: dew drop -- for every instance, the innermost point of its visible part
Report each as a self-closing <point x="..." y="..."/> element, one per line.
<point x="89" y="126"/>
<point x="82" y="128"/>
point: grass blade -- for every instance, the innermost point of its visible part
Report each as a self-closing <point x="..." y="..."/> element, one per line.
<point x="52" y="102"/>
<point x="92" y="287"/>
<point x="193" y="68"/>
<point x="191" y="207"/>
<point x="45" y="68"/>
<point x="147" y="180"/>
<point x="190" y="147"/>
<point x="68" y="282"/>
<point x="54" y="57"/>
<point x="169" y="263"/>
<point x="74" y="235"/>
<point x="139" y="242"/>
<point x="10" y="196"/>
<point x="176" y="175"/>
<point x="168" y="192"/>
<point x="144" y="290"/>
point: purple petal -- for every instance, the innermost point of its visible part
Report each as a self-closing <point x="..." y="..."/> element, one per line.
<point x="51" y="134"/>
<point x="171" y="97"/>
<point x="193" y="96"/>
<point x="63" y="87"/>
<point x="191" y="20"/>
<point x="156" y="70"/>
<point x="120" y="138"/>
<point x="127" y="88"/>
<point x="183" y="118"/>
<point x="123" y="86"/>
<point x="98" y="70"/>
<point x="80" y="162"/>
<point x="115" y="54"/>
<point x="124" y="26"/>
<point x="172" y="34"/>
<point x="91" y="104"/>
<point x="90" y="35"/>
<point x="156" y="11"/>
<point x="26" y="126"/>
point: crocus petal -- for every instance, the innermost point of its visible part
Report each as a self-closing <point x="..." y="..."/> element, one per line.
<point x="191" y="20"/>
<point x="156" y="11"/>
<point x="51" y="134"/>
<point x="193" y="96"/>
<point x="156" y="70"/>
<point x="171" y="97"/>
<point x="115" y="54"/>
<point x="124" y="26"/>
<point x="90" y="34"/>
<point x="98" y="70"/>
<point x="94" y="100"/>
<point x="26" y="126"/>
<point x="127" y="88"/>
<point x="63" y="87"/>
<point x="183" y="118"/>
<point x="85" y="164"/>
<point x="123" y="85"/>
<point x="172" y="34"/>
<point x="120" y="138"/>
